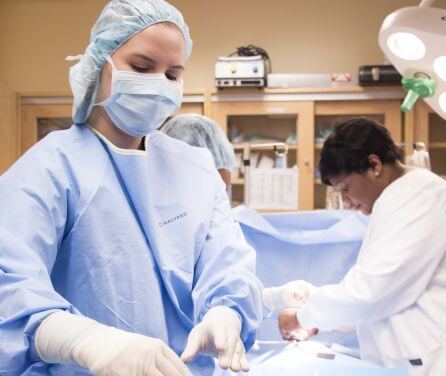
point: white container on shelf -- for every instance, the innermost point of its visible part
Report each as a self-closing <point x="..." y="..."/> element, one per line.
<point x="273" y="188"/>
<point x="296" y="80"/>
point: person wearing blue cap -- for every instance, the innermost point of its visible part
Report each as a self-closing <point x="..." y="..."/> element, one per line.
<point x="201" y="131"/>
<point x="118" y="252"/>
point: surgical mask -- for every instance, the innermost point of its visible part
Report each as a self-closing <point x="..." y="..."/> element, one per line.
<point x="141" y="102"/>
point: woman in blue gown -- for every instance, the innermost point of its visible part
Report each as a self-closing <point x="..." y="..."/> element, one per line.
<point x="118" y="253"/>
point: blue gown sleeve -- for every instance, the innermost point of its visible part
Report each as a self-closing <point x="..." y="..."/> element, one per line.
<point x="225" y="272"/>
<point x="33" y="216"/>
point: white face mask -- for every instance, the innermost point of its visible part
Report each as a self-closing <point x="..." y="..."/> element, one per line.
<point x="141" y="102"/>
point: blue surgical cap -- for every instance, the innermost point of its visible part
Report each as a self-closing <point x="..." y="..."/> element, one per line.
<point x="118" y="22"/>
<point x="197" y="130"/>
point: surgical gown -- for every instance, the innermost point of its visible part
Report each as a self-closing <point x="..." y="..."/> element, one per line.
<point x="395" y="294"/>
<point x="139" y="240"/>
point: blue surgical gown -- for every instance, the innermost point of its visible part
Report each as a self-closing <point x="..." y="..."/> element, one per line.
<point x="140" y="240"/>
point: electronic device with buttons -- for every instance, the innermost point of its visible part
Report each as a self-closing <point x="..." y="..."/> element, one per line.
<point x="240" y="71"/>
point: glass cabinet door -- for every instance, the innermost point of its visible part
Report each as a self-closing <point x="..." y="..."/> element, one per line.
<point x="328" y="114"/>
<point x="40" y="119"/>
<point x="261" y="130"/>
<point x="47" y="125"/>
<point x="260" y="123"/>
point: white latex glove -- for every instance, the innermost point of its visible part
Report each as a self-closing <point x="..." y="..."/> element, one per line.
<point x="293" y="294"/>
<point x="218" y="335"/>
<point x="105" y="351"/>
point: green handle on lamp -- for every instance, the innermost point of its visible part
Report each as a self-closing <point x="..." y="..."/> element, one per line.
<point x="416" y="88"/>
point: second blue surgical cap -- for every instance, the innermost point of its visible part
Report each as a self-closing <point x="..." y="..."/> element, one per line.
<point x="118" y="22"/>
<point x="197" y="130"/>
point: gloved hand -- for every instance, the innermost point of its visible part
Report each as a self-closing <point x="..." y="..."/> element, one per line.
<point x="290" y="328"/>
<point x="293" y="294"/>
<point x="218" y="335"/>
<point x="105" y="351"/>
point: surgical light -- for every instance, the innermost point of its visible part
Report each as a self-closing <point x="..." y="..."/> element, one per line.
<point x="440" y="67"/>
<point x="414" y="40"/>
<point x="406" y="46"/>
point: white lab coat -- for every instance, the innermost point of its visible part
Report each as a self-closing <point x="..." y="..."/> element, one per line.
<point x="395" y="294"/>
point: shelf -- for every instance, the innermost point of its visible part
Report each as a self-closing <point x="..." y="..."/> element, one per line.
<point x="329" y="94"/>
<point x="437" y="145"/>
<point x="331" y="89"/>
<point x="240" y="147"/>
<point x="61" y="97"/>
<point x="238" y="181"/>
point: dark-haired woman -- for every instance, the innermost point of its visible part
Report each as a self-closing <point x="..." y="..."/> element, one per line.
<point x="395" y="294"/>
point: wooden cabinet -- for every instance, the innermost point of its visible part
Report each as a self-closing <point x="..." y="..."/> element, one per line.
<point x="302" y="118"/>
<point x="311" y="115"/>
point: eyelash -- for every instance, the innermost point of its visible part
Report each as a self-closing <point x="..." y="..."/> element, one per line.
<point x="140" y="70"/>
<point x="146" y="70"/>
<point x="171" y="78"/>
